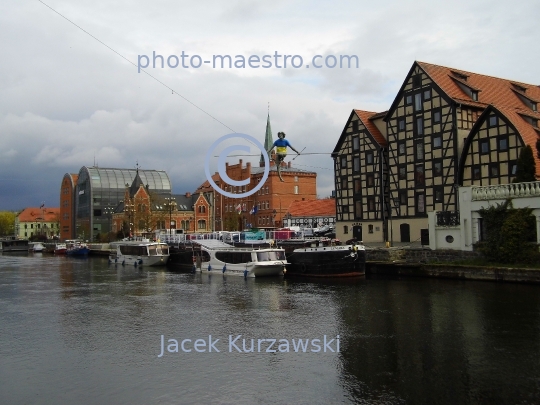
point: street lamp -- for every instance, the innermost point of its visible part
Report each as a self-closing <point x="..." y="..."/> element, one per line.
<point x="171" y="202"/>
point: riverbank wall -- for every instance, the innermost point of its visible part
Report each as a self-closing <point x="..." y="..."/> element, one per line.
<point x="424" y="262"/>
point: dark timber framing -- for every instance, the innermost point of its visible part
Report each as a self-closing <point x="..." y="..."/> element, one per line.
<point x="445" y="128"/>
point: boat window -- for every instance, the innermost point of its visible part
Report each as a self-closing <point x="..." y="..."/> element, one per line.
<point x="133" y="250"/>
<point x="270" y="255"/>
<point x="152" y="251"/>
<point x="233" y="257"/>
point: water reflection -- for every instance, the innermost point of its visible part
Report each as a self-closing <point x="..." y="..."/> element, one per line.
<point x="85" y="331"/>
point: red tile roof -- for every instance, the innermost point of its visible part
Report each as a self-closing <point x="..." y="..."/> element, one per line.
<point x="500" y="93"/>
<point x="313" y="208"/>
<point x="365" y="117"/>
<point x="39" y="214"/>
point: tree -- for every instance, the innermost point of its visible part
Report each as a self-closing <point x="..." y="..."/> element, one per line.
<point x="509" y="234"/>
<point x="526" y="166"/>
<point x="7" y="223"/>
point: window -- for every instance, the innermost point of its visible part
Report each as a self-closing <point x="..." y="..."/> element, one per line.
<point x="370" y="228"/>
<point x="296" y="190"/>
<point x="345" y="209"/>
<point x="534" y="107"/>
<point x="493" y="170"/>
<point x="344" y="162"/>
<point x="355" y="126"/>
<point x="401" y="124"/>
<point x="436" y="116"/>
<point x="437" y="168"/>
<point x="296" y="179"/>
<point x="476" y="172"/>
<point x="358" y="209"/>
<point x="419" y="178"/>
<point x="420" y="151"/>
<point x="369" y="158"/>
<point x="418" y="102"/>
<point x="344" y="183"/>
<point x="356" y="143"/>
<point x="202" y="224"/>
<point x="408" y="100"/>
<point x="427" y="94"/>
<point x="417" y="80"/>
<point x="484" y="146"/>
<point x="401" y="148"/>
<point x="419" y="126"/>
<point x="503" y="143"/>
<point x="202" y="209"/>
<point x="513" y="168"/>
<point x="437" y="141"/>
<point x="371" y="204"/>
<point x="356" y="164"/>
<point x="370" y="180"/>
<point x="420" y="204"/>
<point x="345" y="229"/>
<point x="438" y="194"/>
<point x="492" y="121"/>
<point x="403" y="197"/>
<point x="357" y="186"/>
<point x="402" y="172"/>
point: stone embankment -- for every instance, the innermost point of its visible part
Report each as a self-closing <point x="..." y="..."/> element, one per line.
<point x="423" y="262"/>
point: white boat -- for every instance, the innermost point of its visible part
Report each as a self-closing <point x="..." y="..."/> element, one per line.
<point x="36" y="247"/>
<point x="139" y="253"/>
<point x="218" y="257"/>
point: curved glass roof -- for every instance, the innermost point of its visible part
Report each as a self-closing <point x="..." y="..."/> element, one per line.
<point x="108" y="178"/>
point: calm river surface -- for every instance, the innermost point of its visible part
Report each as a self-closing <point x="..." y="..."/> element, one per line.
<point x="85" y="332"/>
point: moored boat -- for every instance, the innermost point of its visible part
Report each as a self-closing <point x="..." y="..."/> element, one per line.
<point x="327" y="261"/>
<point x="60" y="249"/>
<point x="139" y="253"/>
<point x="77" y="249"/>
<point x="37" y="247"/>
<point x="13" y="245"/>
<point x="215" y="256"/>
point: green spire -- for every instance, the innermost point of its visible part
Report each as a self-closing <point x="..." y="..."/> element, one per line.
<point x="268" y="141"/>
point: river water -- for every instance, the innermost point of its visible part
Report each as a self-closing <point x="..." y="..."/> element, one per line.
<point x="81" y="331"/>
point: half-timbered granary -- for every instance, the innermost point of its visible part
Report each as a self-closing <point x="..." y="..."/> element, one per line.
<point x="446" y="128"/>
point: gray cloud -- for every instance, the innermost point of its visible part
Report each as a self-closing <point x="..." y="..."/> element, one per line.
<point x="67" y="99"/>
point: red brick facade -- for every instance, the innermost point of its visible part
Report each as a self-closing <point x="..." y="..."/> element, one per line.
<point x="272" y="200"/>
<point x="67" y="206"/>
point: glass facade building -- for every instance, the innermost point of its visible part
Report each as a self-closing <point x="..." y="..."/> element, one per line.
<point x="100" y="190"/>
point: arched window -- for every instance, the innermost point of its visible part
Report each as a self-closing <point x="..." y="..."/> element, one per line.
<point x="202" y="224"/>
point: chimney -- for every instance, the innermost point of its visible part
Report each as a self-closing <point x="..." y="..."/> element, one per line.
<point x="248" y="168"/>
<point x="289" y="164"/>
<point x="188" y="194"/>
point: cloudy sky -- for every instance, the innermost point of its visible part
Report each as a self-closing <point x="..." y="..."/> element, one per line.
<point x="68" y="101"/>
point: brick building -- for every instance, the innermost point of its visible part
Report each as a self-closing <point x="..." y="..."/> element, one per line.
<point x="268" y="206"/>
<point x="142" y="212"/>
<point x="67" y="206"/>
<point x="311" y="213"/>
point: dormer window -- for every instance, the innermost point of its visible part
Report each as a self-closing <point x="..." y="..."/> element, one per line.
<point x="474" y="95"/>
<point x="534" y="107"/>
<point x="460" y="76"/>
<point x="519" y="88"/>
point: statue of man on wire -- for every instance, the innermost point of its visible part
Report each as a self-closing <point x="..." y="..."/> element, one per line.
<point x="281" y="151"/>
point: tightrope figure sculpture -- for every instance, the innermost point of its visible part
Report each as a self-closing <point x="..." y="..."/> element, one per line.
<point x="281" y="151"/>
